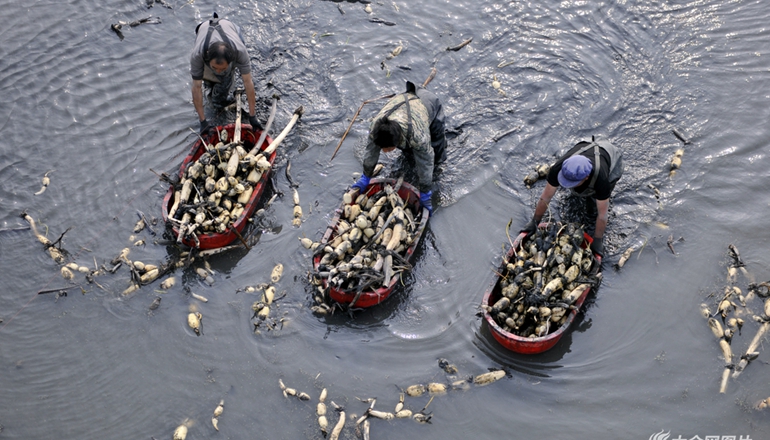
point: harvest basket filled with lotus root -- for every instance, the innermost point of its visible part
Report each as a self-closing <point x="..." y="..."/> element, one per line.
<point x="369" y="243"/>
<point x="540" y="286"/>
<point x="220" y="183"/>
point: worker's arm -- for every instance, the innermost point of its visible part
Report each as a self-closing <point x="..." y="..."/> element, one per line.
<point x="251" y="96"/>
<point x="543" y="201"/>
<point x="197" y="97"/>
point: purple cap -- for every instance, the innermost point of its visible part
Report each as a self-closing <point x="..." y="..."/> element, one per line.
<point x="574" y="170"/>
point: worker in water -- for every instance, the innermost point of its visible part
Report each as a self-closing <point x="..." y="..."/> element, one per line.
<point x="589" y="170"/>
<point x="412" y="122"/>
<point x="219" y="50"/>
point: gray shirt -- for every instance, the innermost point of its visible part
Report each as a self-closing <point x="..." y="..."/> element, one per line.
<point x="242" y="61"/>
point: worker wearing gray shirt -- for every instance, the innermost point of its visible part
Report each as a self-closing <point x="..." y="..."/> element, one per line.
<point x="218" y="51"/>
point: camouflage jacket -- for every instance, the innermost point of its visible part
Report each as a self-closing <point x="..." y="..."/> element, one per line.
<point x="418" y="142"/>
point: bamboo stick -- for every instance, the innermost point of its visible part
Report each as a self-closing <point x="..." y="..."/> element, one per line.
<point x="344" y="135"/>
<point x="61" y="289"/>
<point x="240" y="237"/>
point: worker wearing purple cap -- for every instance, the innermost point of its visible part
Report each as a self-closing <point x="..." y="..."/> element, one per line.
<point x="590" y="170"/>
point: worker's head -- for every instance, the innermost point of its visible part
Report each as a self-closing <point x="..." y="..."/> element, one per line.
<point x="386" y="134"/>
<point x="219" y="56"/>
<point x="574" y="171"/>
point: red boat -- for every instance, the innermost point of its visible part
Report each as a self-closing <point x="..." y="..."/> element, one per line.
<point x="521" y="344"/>
<point x="411" y="197"/>
<point x="212" y="240"/>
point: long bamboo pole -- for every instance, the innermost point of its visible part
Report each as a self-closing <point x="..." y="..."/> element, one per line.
<point x="354" y="120"/>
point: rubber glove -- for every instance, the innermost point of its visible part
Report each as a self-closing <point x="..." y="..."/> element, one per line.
<point x="597" y="246"/>
<point x="530" y="227"/>
<point x="205" y="126"/>
<point x="255" y="123"/>
<point x="426" y="203"/>
<point x="361" y="184"/>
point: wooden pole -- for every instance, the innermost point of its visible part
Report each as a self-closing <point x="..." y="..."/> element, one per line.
<point x="61" y="289"/>
<point x="240" y="237"/>
<point x="354" y="120"/>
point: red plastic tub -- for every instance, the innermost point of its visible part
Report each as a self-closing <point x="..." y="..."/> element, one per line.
<point x="411" y="197"/>
<point x="212" y="240"/>
<point x="520" y="344"/>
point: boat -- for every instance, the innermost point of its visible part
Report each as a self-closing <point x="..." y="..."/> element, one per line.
<point x="369" y="298"/>
<point x="213" y="240"/>
<point x="529" y="345"/>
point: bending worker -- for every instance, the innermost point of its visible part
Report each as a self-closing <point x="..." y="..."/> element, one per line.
<point x="218" y="51"/>
<point x="413" y="122"/>
<point x="589" y="170"/>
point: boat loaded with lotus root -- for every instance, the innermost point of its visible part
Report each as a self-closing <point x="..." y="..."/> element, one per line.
<point x="540" y="286"/>
<point x="221" y="182"/>
<point x="368" y="244"/>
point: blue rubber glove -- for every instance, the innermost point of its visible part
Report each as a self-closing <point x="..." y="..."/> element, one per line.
<point x="425" y="201"/>
<point x="361" y="184"/>
<point x="205" y="126"/>
<point x="255" y="123"/>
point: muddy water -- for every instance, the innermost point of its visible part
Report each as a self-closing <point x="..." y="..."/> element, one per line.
<point x="102" y="113"/>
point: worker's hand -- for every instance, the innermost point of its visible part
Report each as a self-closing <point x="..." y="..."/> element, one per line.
<point x="205" y="126"/>
<point x="530" y="227"/>
<point x="361" y="184"/>
<point x="255" y="125"/>
<point x="597" y="246"/>
<point x="425" y="201"/>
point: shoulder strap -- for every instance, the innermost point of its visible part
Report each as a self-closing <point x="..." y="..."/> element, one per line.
<point x="214" y="24"/>
<point x="597" y="159"/>
<point x="405" y="102"/>
<point x="398" y="106"/>
<point x="408" y="119"/>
